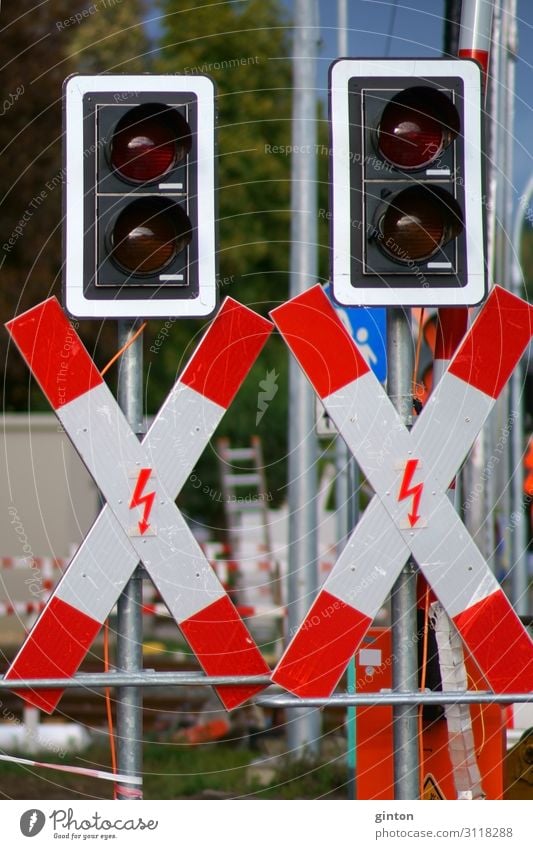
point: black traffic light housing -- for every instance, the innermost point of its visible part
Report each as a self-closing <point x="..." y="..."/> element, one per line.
<point x="406" y="182"/>
<point x="140" y="196"/>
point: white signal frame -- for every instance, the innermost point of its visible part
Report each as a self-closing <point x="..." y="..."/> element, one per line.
<point x="475" y="289"/>
<point x="76" y="303"/>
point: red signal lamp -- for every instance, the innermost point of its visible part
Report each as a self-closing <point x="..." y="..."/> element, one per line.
<point x="418" y="222"/>
<point x="149" y="140"/>
<point x="148" y="234"/>
<point x="416" y="126"/>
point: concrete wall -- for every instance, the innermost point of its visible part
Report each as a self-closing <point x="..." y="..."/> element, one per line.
<point x="48" y="500"/>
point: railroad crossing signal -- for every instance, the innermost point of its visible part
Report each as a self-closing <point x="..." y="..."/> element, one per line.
<point x="140" y="196"/>
<point x="410" y="472"/>
<point x="140" y="482"/>
<point x="406" y="182"/>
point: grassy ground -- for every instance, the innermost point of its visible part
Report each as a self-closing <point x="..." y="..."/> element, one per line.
<point x="173" y="771"/>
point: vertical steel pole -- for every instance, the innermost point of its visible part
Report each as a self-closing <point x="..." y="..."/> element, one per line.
<point x="303" y="729"/>
<point x="475" y="32"/>
<point x="513" y="279"/>
<point x="347" y="475"/>
<point x="129" y="607"/>
<point x="519" y="574"/>
<point x="342" y="27"/>
<point x="403" y="597"/>
<point x="475" y="39"/>
<point x="509" y="415"/>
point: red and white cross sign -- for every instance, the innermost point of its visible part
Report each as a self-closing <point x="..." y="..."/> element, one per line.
<point x="140" y="482"/>
<point x="410" y="472"/>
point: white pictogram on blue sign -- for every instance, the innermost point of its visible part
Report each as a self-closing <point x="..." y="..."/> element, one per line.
<point x="368" y="327"/>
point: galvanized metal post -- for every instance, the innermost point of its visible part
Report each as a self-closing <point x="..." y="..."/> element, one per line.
<point x="342" y="27"/>
<point x="129" y="607"/>
<point x="475" y="40"/>
<point x="303" y="727"/>
<point x="510" y="418"/>
<point x="517" y="535"/>
<point x="519" y="573"/>
<point x="403" y="597"/>
<point x="346" y="488"/>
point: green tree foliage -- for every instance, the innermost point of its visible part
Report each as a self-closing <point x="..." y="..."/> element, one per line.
<point x="114" y="40"/>
<point x="245" y="48"/>
<point x="38" y="49"/>
<point x="32" y="63"/>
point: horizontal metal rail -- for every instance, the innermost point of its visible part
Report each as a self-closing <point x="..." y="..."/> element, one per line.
<point x="97" y="680"/>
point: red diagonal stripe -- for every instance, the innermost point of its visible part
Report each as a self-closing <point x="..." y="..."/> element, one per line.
<point x="319" y="341"/>
<point x="227" y="352"/>
<point x="452" y="323"/>
<point x="495" y="343"/>
<point x="223" y="646"/>
<point x="499" y="643"/>
<point x="319" y="653"/>
<point x="67" y="634"/>
<point x="54" y="352"/>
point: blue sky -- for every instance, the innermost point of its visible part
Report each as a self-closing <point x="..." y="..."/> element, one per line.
<point x="414" y="28"/>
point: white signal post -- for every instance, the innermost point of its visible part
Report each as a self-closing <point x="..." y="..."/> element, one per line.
<point x="411" y="513"/>
<point x="140" y="482"/>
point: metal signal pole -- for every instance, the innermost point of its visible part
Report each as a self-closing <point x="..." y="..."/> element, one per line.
<point x="129" y="605"/>
<point x="303" y="729"/>
<point x="403" y="596"/>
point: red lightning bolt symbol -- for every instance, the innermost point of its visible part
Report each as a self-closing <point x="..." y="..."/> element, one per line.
<point x="406" y="490"/>
<point x="147" y="500"/>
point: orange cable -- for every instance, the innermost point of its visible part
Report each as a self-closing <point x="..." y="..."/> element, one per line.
<point x="482" y="708"/>
<point x="109" y="711"/>
<point x="417" y="350"/>
<point x="422" y="687"/>
<point x="124" y="348"/>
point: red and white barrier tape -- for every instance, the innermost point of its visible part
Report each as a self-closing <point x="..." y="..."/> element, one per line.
<point x="77" y="770"/>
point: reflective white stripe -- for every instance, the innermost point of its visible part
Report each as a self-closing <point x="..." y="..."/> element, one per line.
<point x="451" y="561"/>
<point x="370" y="426"/>
<point x="114" y="456"/>
<point x="370" y="562"/>
<point x="451" y="420"/>
<point x="180" y="433"/>
<point x="100" y="569"/>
